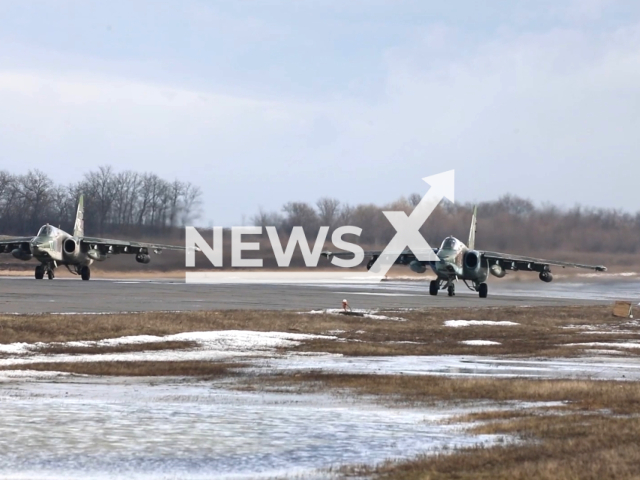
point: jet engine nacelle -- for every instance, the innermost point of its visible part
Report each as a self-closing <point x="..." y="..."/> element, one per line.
<point x="546" y="276"/>
<point x="71" y="248"/>
<point x="497" y="271"/>
<point x="417" y="266"/>
<point x="21" y="254"/>
<point x="472" y="262"/>
<point x="143" y="258"/>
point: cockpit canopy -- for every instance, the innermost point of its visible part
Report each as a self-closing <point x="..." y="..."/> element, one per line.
<point x="46" y="231"/>
<point x="450" y="243"/>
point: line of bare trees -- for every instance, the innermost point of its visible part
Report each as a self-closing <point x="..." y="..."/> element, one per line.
<point x="114" y="202"/>
<point x="509" y="224"/>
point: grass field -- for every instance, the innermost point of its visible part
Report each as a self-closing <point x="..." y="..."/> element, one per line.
<point x="584" y="429"/>
<point x="540" y="331"/>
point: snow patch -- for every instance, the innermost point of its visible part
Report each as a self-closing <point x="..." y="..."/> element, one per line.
<point x="480" y="342"/>
<point x="213" y="345"/>
<point x="30" y="374"/>
<point x="468" y="323"/>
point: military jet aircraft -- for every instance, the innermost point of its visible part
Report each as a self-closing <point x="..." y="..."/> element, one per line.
<point x="53" y="247"/>
<point x="457" y="261"/>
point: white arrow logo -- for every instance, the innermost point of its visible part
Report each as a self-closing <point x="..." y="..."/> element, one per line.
<point x="408" y="227"/>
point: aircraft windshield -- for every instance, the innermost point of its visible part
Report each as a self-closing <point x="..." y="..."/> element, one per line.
<point x="45" y="230"/>
<point x="449" y="243"/>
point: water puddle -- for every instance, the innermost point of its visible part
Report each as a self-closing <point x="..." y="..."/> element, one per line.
<point x="121" y="428"/>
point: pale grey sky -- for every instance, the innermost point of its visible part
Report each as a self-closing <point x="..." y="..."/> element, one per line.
<point x="262" y="102"/>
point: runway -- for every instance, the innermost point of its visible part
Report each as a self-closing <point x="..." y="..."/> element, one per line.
<point x="26" y="295"/>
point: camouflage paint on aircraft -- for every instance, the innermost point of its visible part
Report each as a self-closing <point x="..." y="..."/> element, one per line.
<point x="53" y="247"/>
<point x="457" y="261"/>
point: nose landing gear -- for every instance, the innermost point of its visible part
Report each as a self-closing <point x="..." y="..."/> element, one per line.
<point x="43" y="269"/>
<point x="435" y="285"/>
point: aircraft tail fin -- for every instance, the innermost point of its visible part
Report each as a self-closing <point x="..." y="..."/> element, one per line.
<point x="78" y="228"/>
<point x="472" y="231"/>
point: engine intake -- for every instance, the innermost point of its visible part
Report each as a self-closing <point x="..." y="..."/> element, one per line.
<point x="143" y="258"/>
<point x="70" y="246"/>
<point x="472" y="260"/>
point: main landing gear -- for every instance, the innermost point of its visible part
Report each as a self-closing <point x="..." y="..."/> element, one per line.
<point x="435" y="285"/>
<point x="84" y="272"/>
<point x="43" y="269"/>
<point x="481" y="288"/>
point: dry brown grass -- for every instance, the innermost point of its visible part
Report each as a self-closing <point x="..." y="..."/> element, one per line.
<point x="568" y="447"/>
<point x="619" y="397"/>
<point x="137" y="368"/>
<point x="56" y="349"/>
<point x="538" y="332"/>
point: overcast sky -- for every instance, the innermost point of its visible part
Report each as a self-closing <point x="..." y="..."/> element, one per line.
<point x="262" y="102"/>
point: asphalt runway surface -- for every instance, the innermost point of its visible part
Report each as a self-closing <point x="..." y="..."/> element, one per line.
<point x="27" y="295"/>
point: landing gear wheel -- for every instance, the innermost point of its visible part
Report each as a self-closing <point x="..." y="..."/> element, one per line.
<point x="50" y="274"/>
<point x="483" y="290"/>
<point x="434" y="286"/>
<point x="39" y="272"/>
<point x="451" y="290"/>
<point x="85" y="273"/>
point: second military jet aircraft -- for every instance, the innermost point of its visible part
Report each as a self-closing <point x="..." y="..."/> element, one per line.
<point x="457" y="261"/>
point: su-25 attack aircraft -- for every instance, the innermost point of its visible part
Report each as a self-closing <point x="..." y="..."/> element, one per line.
<point x="457" y="261"/>
<point x="53" y="247"/>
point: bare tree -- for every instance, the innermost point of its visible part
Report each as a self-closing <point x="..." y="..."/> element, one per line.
<point x="300" y="214"/>
<point x="99" y="188"/>
<point x="328" y="211"/>
<point x="191" y="202"/>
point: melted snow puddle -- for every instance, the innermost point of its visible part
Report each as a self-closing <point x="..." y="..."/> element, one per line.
<point x="462" y="366"/>
<point x="125" y="428"/>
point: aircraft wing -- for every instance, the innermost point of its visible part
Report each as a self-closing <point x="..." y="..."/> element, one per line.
<point x="125" y="246"/>
<point x="517" y="262"/>
<point x="9" y="243"/>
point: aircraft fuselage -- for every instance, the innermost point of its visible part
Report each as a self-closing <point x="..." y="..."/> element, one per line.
<point x="456" y="260"/>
